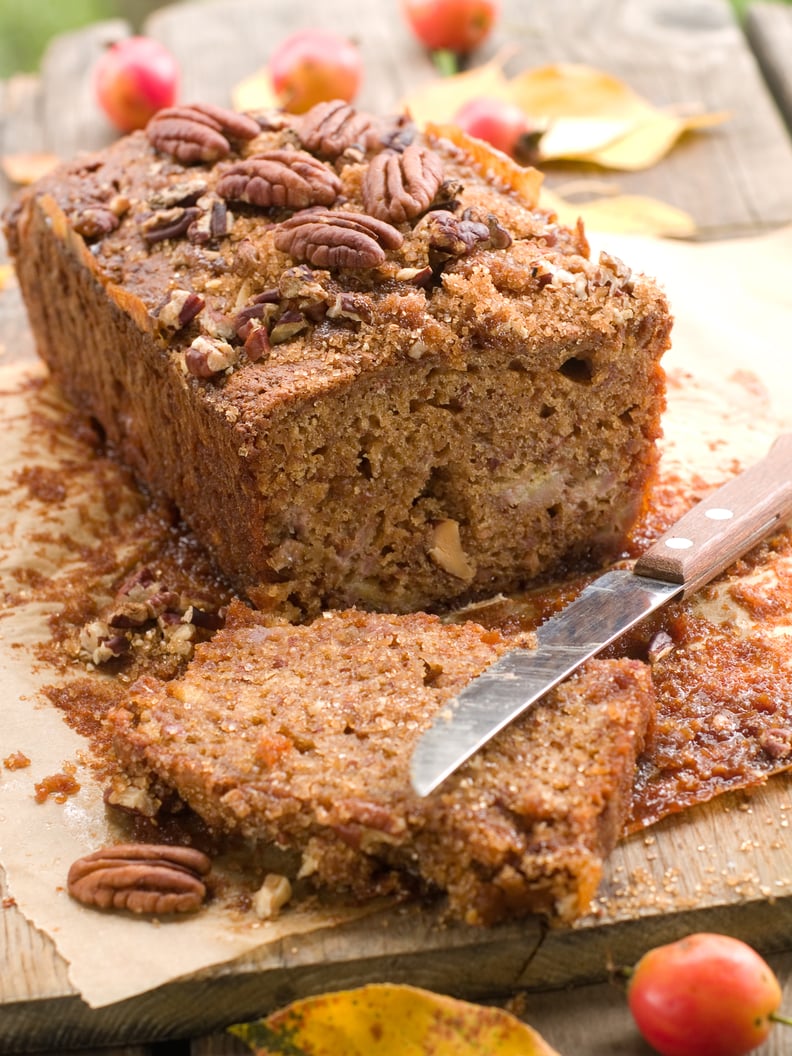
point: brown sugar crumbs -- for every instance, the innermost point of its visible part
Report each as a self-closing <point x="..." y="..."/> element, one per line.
<point x="60" y="786"/>
<point x="16" y="761"/>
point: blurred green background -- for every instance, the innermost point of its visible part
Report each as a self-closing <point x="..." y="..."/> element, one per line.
<point x="27" y="25"/>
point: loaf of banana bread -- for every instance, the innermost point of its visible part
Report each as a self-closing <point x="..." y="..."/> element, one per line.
<point x="362" y="363"/>
<point x="302" y="736"/>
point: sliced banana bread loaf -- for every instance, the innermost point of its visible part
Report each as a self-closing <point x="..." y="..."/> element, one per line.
<point x="364" y="365"/>
<point x="302" y="736"/>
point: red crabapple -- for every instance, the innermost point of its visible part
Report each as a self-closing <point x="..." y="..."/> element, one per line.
<point x="458" y="26"/>
<point x="315" y="66"/>
<point x="134" y="79"/>
<point x="705" y="995"/>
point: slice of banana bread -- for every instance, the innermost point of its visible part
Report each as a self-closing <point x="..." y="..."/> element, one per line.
<point x="302" y="736"/>
<point x="368" y="372"/>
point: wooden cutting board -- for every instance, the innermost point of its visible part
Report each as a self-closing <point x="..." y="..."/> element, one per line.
<point x="726" y="866"/>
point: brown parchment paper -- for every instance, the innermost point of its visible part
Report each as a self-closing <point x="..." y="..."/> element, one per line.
<point x="111" y="956"/>
<point x="733" y="334"/>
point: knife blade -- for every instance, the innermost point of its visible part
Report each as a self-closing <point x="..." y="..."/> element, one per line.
<point x="704" y="542"/>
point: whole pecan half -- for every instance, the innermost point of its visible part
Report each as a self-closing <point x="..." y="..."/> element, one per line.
<point x="399" y="187"/>
<point x="339" y="239"/>
<point x="199" y="132"/>
<point x="292" y="179"/>
<point x="328" y="129"/>
<point x="141" y="877"/>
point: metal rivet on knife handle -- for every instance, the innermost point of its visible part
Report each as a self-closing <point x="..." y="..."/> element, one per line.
<point x="726" y="524"/>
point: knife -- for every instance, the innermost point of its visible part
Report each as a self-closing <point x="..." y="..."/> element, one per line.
<point x="704" y="542"/>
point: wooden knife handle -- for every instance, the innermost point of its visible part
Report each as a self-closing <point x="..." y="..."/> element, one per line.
<point x="726" y="524"/>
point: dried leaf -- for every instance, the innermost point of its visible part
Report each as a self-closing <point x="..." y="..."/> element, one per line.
<point x="255" y="93"/>
<point x="496" y="165"/>
<point x="575" y="90"/>
<point x="586" y="114"/>
<point x="649" y="141"/>
<point x="631" y="214"/>
<point x="438" y="100"/>
<point x="389" y="1020"/>
<point x="24" y="169"/>
<point x="6" y="275"/>
<point x="571" y="137"/>
<point x="595" y="117"/>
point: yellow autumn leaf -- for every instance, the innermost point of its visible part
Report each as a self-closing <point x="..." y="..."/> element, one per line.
<point x="390" y="1020"/>
<point x="573" y="90"/>
<point x="595" y="117"/>
<point x="255" y="93"/>
<point x="649" y="141"/>
<point x="438" y="100"/>
<point x="570" y="137"/>
<point x="627" y="214"/>
<point x="24" y="169"/>
<point x="6" y="275"/>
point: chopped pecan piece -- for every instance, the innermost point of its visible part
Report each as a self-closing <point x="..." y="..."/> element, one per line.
<point x="399" y="187"/>
<point x="208" y="356"/>
<point x="261" y="309"/>
<point x="98" y="644"/>
<point x="142" y="878"/>
<point x="291" y="179"/>
<point x="287" y="327"/>
<point x="272" y="896"/>
<point x="302" y="283"/>
<point x="214" y="222"/>
<point x="185" y="192"/>
<point x="199" y="132"/>
<point x="168" y="223"/>
<point x="180" y="309"/>
<point x="421" y="277"/>
<point x="354" y="306"/>
<point x="337" y="239"/>
<point x="94" y="221"/>
<point x="398" y="133"/>
<point x="257" y="343"/>
<point x="450" y="235"/>
<point x="328" y="129"/>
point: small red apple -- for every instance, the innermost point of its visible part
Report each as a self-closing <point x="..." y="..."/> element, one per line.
<point x="458" y="26"/>
<point x="134" y="79"/>
<point x="315" y="66"/>
<point x="705" y="995"/>
<point x="502" y="124"/>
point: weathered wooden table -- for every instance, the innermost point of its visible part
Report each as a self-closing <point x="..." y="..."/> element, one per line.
<point x="735" y="180"/>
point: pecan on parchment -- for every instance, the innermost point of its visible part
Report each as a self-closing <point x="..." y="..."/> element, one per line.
<point x="340" y="239"/>
<point x="328" y="129"/>
<point x="399" y="187"/>
<point x="292" y="179"/>
<point x="141" y="877"/>
<point x="198" y="132"/>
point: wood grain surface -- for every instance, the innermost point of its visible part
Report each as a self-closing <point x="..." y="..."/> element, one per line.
<point x="725" y="866"/>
